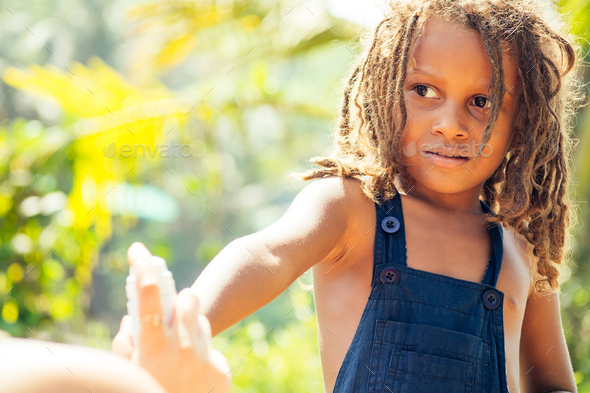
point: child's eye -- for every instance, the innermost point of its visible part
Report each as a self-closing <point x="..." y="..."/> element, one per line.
<point x="482" y="100"/>
<point x="422" y="89"/>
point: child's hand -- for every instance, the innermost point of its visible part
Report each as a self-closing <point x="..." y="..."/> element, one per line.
<point x="182" y="358"/>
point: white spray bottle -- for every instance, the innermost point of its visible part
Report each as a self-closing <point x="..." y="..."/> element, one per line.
<point x="167" y="288"/>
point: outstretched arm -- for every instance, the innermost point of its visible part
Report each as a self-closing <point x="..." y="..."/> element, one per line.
<point x="253" y="270"/>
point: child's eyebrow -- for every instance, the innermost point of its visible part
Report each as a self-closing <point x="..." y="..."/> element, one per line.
<point x="419" y="71"/>
<point x="416" y="70"/>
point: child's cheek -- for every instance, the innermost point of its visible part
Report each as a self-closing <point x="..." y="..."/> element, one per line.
<point x="409" y="145"/>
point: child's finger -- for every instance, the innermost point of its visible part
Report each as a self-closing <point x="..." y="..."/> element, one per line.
<point x="196" y="296"/>
<point x="150" y="308"/>
<point x="122" y="342"/>
<point x="185" y="310"/>
<point x="205" y="327"/>
<point x="193" y="327"/>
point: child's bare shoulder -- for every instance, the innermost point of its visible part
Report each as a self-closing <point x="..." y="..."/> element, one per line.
<point x="316" y="225"/>
<point x="332" y="195"/>
<point x="517" y="258"/>
<point x="336" y="188"/>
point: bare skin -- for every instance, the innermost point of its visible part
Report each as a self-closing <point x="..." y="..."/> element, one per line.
<point x="341" y="295"/>
<point x="180" y="360"/>
<point x="29" y="365"/>
<point x="330" y="225"/>
<point x="446" y="109"/>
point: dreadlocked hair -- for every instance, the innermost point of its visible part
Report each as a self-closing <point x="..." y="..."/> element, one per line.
<point x="529" y="191"/>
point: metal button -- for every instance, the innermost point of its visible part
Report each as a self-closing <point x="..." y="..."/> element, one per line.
<point x="491" y="299"/>
<point x="390" y="224"/>
<point x="389" y="275"/>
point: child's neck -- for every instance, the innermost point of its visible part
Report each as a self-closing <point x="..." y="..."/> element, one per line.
<point x="466" y="201"/>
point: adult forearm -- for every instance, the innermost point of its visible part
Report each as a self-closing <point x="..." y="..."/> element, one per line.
<point x="28" y="365"/>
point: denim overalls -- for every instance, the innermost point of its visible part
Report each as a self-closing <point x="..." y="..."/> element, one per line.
<point x="425" y="332"/>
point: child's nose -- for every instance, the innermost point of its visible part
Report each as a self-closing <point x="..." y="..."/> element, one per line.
<point x="450" y="119"/>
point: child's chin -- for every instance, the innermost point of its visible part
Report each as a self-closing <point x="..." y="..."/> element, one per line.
<point x="442" y="180"/>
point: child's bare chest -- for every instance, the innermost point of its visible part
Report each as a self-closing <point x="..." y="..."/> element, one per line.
<point x="341" y="288"/>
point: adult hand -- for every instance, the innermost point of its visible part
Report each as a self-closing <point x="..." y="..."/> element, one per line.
<point x="180" y="357"/>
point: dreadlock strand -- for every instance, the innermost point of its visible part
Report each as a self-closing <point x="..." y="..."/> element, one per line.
<point x="529" y="191"/>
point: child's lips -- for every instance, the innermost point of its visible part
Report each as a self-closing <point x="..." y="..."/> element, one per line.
<point x="445" y="162"/>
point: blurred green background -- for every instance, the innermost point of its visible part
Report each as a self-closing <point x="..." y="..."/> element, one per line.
<point x="234" y="95"/>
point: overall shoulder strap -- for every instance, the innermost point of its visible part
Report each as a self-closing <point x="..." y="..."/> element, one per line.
<point x="495" y="263"/>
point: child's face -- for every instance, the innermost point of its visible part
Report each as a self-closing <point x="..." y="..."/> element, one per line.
<point x="450" y="109"/>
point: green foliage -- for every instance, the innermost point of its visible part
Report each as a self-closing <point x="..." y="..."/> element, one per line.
<point x="267" y="358"/>
<point x="249" y="86"/>
<point x="43" y="270"/>
<point x="69" y="207"/>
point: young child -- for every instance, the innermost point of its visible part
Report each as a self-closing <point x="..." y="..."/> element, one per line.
<point x="433" y="274"/>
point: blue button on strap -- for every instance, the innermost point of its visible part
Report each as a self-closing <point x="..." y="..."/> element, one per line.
<point x="390" y="275"/>
<point x="491" y="299"/>
<point x="390" y="224"/>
